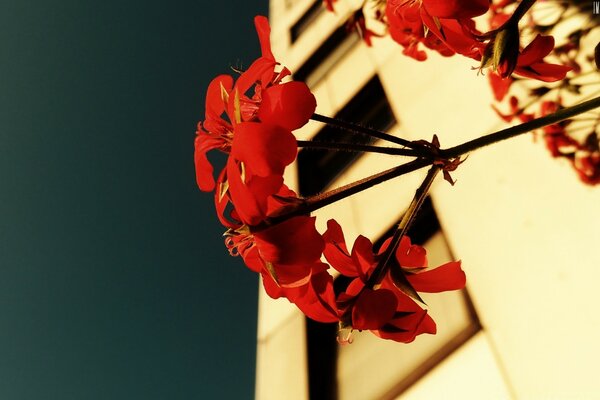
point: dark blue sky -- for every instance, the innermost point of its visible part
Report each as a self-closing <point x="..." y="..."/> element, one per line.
<point x="114" y="281"/>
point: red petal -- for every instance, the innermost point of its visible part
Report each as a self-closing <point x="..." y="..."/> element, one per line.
<point x="411" y="256"/>
<point x="410" y="321"/>
<point x="364" y="259"/>
<point x="264" y="149"/>
<point x="499" y="85"/>
<point x="318" y="300"/>
<point x="535" y="51"/>
<point x="250" y="197"/>
<point x="289" y="105"/>
<point x="445" y="277"/>
<point x="204" y="169"/>
<point x="456" y="9"/>
<point x="373" y="309"/>
<point x="215" y="103"/>
<point x="544" y="72"/>
<point x="455" y="38"/>
<point x="271" y="287"/>
<point x="407" y="328"/>
<point x="252" y="259"/>
<point x="297" y="275"/>
<point x="264" y="31"/>
<point x="295" y="241"/>
<point x="336" y="251"/>
<point x="258" y="69"/>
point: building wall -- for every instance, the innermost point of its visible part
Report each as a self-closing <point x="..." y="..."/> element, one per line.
<point x="525" y="228"/>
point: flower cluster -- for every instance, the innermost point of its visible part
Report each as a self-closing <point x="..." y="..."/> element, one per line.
<point x="251" y="119"/>
<point x="574" y="140"/>
<point x="387" y="305"/>
<point x="449" y="28"/>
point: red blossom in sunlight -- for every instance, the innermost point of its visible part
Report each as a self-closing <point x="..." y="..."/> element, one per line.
<point x="274" y="251"/>
<point x="503" y="54"/>
<point x="406" y="28"/>
<point x="329" y="4"/>
<point x="358" y="23"/>
<point x="287" y="256"/>
<point x="386" y="309"/>
<point x="316" y="299"/>
<point x="530" y="63"/>
<point x="413" y="260"/>
<point x="289" y="105"/>
<point x="408" y="322"/>
<point x="500" y="86"/>
<point x="214" y="133"/>
<point x="587" y="165"/>
<point x="439" y="25"/>
<point x="233" y="113"/>
<point x="456" y="9"/>
<point x="558" y="142"/>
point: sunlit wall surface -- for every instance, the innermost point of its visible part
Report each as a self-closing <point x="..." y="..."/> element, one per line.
<point x="524" y="226"/>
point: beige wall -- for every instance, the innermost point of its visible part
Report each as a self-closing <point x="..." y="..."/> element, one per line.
<point x="526" y="229"/>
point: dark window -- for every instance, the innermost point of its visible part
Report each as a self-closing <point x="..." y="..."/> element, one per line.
<point x="327" y="55"/>
<point x="318" y="168"/>
<point x="322" y="355"/>
<point x="306" y="19"/>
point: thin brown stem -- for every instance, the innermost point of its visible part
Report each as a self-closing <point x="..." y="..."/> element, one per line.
<point x="319" y="201"/>
<point x="355" y="128"/>
<point x="407" y="219"/>
<point x="516" y="130"/>
<point x="358" y="148"/>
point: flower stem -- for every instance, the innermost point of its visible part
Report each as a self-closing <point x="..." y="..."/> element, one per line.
<point x="522" y="8"/>
<point x="516" y="130"/>
<point x="514" y="19"/>
<point x="319" y="201"/>
<point x="407" y="219"/>
<point x="352" y="147"/>
<point x="355" y="128"/>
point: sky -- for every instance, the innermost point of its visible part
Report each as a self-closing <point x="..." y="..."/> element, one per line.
<point x="114" y="280"/>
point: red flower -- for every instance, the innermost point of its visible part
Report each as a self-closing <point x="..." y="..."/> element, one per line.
<point x="275" y="251"/>
<point x="413" y="260"/>
<point x="587" y="165"/>
<point x="409" y="321"/>
<point x="214" y="133"/>
<point x="439" y="25"/>
<point x="530" y="63"/>
<point x="316" y="299"/>
<point x="385" y="309"/>
<point x="287" y="256"/>
<point x="264" y="150"/>
<point x="500" y="86"/>
<point x="289" y="105"/>
<point x="456" y="9"/>
<point x="406" y="28"/>
<point x="558" y="142"/>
